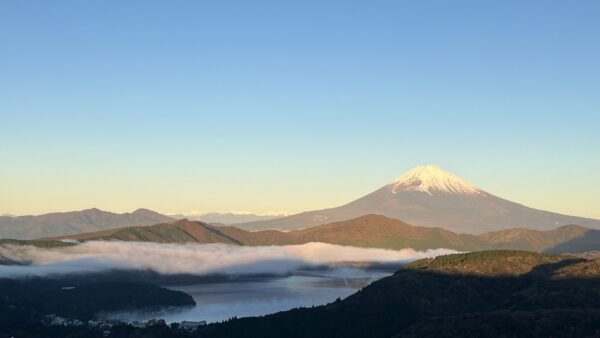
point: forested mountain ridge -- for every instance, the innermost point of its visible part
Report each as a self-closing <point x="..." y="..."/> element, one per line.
<point x="372" y="231"/>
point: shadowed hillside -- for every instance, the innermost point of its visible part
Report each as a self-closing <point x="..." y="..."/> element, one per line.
<point x="81" y="297"/>
<point x="485" y="294"/>
<point x="589" y="242"/>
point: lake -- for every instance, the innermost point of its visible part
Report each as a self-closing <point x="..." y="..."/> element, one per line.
<point x="257" y="296"/>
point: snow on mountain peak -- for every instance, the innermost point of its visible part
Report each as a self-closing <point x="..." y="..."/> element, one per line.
<point x="431" y="178"/>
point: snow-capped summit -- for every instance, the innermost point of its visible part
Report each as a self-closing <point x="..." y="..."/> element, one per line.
<point x="431" y="178"/>
<point x="430" y="196"/>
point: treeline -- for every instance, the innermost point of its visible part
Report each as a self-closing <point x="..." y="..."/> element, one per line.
<point x="545" y="296"/>
<point x="80" y="298"/>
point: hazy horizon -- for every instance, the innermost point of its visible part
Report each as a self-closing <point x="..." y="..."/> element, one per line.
<point x="196" y="213"/>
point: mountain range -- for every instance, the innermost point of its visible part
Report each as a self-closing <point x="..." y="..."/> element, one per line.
<point x="426" y="196"/>
<point x="226" y="217"/>
<point x="73" y="222"/>
<point x="431" y="196"/>
<point x="88" y="220"/>
<point x="371" y="231"/>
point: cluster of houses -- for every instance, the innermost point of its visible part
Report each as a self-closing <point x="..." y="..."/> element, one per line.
<point x="191" y="326"/>
<point x="186" y="325"/>
<point x="53" y="319"/>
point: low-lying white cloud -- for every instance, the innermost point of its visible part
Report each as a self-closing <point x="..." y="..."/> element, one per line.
<point x="196" y="259"/>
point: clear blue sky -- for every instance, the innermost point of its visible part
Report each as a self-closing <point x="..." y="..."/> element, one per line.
<point x="265" y="106"/>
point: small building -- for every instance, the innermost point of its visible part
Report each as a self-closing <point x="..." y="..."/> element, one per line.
<point x="191" y="326"/>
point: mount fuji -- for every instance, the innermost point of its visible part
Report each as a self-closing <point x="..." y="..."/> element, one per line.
<point x="430" y="196"/>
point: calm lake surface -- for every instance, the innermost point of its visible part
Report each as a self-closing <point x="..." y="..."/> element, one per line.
<point x="261" y="296"/>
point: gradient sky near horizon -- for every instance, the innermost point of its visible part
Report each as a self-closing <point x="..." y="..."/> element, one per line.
<point x="291" y="106"/>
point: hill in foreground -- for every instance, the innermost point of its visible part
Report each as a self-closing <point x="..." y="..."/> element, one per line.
<point x="483" y="294"/>
<point x="373" y="231"/>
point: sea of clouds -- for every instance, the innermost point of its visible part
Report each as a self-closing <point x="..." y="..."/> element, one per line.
<point x="195" y="259"/>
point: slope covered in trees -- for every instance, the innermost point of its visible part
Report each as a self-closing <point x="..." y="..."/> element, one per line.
<point x="496" y="293"/>
<point x="372" y="231"/>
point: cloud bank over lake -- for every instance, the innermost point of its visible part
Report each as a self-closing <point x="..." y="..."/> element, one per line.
<point x="195" y="259"/>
